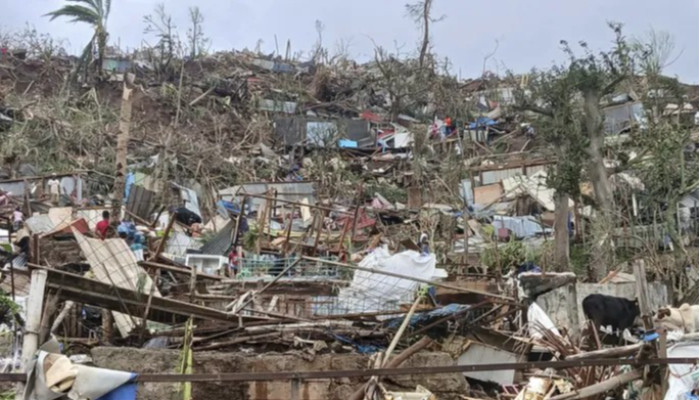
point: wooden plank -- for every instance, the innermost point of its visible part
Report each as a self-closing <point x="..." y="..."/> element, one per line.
<point x="89" y="291"/>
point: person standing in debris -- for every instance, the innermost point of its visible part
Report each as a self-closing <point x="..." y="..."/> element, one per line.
<point x="234" y="259"/>
<point x="423" y="244"/>
<point x="17" y="218"/>
<point x="103" y="226"/>
<point x="54" y="189"/>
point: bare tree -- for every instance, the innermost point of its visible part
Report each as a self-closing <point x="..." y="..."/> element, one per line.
<point x="198" y="43"/>
<point x="161" y="24"/>
<point x="420" y="12"/>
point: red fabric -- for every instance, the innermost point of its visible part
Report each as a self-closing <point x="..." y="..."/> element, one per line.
<point x="101" y="228"/>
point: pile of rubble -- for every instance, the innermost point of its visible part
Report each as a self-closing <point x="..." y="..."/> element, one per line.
<point x="279" y="277"/>
<point x="294" y="230"/>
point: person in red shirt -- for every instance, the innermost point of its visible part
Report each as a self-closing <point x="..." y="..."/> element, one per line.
<point x="103" y="226"/>
<point x="234" y="260"/>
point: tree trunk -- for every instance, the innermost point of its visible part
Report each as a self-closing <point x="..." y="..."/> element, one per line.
<point x="561" y="231"/>
<point x="596" y="167"/>
<point x="101" y="46"/>
<point x="602" y="250"/>
<point x="122" y="145"/>
<point x="426" y="34"/>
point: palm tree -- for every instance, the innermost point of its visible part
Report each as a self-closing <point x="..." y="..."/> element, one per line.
<point x="95" y="13"/>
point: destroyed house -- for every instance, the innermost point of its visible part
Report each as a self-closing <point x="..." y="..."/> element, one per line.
<point x="315" y="132"/>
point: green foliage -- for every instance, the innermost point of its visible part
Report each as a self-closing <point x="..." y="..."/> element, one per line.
<point x="250" y="238"/>
<point x="92" y="12"/>
<point x="8" y="309"/>
<point x="390" y="192"/>
<point x="507" y="255"/>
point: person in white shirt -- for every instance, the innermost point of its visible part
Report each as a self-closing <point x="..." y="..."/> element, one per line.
<point x="54" y="189"/>
<point x="17" y="218"/>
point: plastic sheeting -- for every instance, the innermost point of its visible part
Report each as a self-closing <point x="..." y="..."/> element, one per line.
<point x="372" y="292"/>
<point x="682" y="378"/>
<point x="537" y="317"/>
<point x="51" y="376"/>
<point x="522" y="227"/>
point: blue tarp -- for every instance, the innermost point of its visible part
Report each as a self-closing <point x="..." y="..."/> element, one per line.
<point x="345" y="143"/>
<point x="361" y="348"/>
<point x="227" y="206"/>
<point x="130" y="180"/>
<point x="123" y="392"/>
<point x="482" y="122"/>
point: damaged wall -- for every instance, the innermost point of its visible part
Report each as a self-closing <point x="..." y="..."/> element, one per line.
<point x="444" y="386"/>
<point x="563" y="305"/>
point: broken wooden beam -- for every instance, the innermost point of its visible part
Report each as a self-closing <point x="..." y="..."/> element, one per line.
<point x="601" y="387"/>
<point x="89" y="291"/>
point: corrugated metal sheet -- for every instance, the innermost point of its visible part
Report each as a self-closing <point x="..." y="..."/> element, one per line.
<point x="357" y="130"/>
<point x="179" y="243"/>
<point x="489" y="177"/>
<point x="487" y="194"/>
<point x="291" y="130"/>
<point x="534" y="186"/>
<point x="467" y="191"/>
<point x="140" y="202"/>
<point x="39" y="223"/>
<point x="112" y="261"/>
<point x="16" y="188"/>
<point x="287" y="107"/>
<point x="220" y="243"/>
<point x="289" y="191"/>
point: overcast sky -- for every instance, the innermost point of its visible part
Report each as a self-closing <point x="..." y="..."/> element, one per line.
<point x="527" y="32"/>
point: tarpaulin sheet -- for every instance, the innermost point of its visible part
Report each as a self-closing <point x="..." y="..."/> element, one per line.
<point x="522" y="227"/>
<point x="423" y="318"/>
<point x="371" y="291"/>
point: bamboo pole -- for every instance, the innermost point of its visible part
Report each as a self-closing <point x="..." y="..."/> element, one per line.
<point x="369" y="387"/>
<point x="30" y="342"/>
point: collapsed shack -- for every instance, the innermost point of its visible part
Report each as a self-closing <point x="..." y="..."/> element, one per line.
<point x="406" y="343"/>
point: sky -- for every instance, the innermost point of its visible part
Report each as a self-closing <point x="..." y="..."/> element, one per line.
<point x="520" y="34"/>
